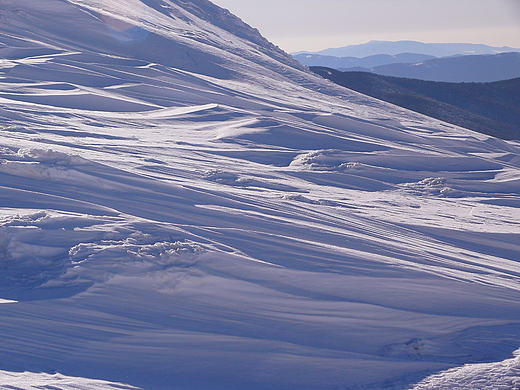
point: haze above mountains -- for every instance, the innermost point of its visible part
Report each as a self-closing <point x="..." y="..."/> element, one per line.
<point x="184" y="206"/>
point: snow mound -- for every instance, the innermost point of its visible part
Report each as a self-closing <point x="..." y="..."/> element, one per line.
<point x="325" y="160"/>
<point x="234" y="179"/>
<point x="34" y="381"/>
<point x="130" y="255"/>
<point x="304" y="199"/>
<point x="47" y="156"/>
<point x="502" y="375"/>
<point x="433" y="186"/>
<point x="45" y="250"/>
<point x="45" y="164"/>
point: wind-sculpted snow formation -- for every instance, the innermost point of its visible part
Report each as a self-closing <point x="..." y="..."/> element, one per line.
<point x="185" y="207"/>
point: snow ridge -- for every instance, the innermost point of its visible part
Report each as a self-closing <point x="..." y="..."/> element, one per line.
<point x="502" y="375"/>
<point x="30" y="381"/>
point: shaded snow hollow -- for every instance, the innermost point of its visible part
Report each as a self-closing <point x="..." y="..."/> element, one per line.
<point x="186" y="207"/>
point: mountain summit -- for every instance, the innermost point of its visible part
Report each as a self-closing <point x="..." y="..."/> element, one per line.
<point x="186" y="207"/>
<point x="188" y="35"/>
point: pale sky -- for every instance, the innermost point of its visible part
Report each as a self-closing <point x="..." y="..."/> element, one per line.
<point x="315" y="25"/>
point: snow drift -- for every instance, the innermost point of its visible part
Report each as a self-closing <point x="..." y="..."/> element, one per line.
<point x="184" y="206"/>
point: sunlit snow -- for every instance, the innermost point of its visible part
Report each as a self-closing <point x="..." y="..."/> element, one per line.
<point x="501" y="375"/>
<point x="186" y="207"/>
<point x="30" y="381"/>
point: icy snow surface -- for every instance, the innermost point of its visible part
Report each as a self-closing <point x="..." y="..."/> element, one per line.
<point x="185" y="207"/>
<point x="29" y="381"/>
<point x="504" y="375"/>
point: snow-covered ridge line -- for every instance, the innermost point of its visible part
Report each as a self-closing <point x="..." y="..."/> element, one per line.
<point x="117" y="27"/>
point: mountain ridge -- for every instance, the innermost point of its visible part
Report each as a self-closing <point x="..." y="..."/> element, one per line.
<point x="472" y="68"/>
<point x="397" y="47"/>
<point x="355" y="62"/>
<point x="172" y="27"/>
<point x="489" y="108"/>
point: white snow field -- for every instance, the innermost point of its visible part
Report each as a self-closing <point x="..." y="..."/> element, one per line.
<point x="184" y="207"/>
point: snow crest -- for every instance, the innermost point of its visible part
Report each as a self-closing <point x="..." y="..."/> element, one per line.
<point x="501" y="375"/>
<point x="30" y="381"/>
<point x="45" y="250"/>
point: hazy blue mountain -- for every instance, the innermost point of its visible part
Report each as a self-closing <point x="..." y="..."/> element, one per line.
<point x="366" y="62"/>
<point x="474" y="68"/>
<point x="490" y="108"/>
<point x="393" y="48"/>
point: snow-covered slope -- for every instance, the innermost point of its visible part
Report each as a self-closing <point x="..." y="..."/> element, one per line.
<point x="185" y="207"/>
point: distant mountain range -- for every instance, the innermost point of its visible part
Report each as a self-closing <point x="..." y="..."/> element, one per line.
<point x="393" y="48"/>
<point x="458" y="62"/>
<point x="470" y="68"/>
<point x="474" y="68"/>
<point x="490" y="108"/>
<point x="365" y="63"/>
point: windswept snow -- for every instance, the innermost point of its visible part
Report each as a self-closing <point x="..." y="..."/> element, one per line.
<point x="502" y="375"/>
<point x="30" y="381"/>
<point x="184" y="206"/>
